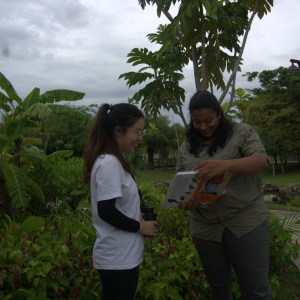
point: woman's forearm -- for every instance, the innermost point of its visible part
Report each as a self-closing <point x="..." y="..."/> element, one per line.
<point x="250" y="165"/>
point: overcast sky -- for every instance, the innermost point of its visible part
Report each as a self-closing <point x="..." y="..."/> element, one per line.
<point x="82" y="45"/>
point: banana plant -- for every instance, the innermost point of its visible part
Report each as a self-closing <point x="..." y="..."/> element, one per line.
<point x="26" y="113"/>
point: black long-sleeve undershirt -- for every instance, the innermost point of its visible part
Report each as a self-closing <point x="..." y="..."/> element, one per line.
<point x="108" y="212"/>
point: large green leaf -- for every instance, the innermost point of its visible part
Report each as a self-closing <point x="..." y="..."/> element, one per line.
<point x="37" y="110"/>
<point x="35" y="189"/>
<point x="37" y="151"/>
<point x="70" y="112"/>
<point x="28" y="142"/>
<point x="59" y="154"/>
<point x="60" y="95"/>
<point x="14" y="129"/>
<point x="30" y="224"/>
<point x="3" y="102"/>
<point x="16" y="185"/>
<point x="3" y="142"/>
<point x="32" y="98"/>
<point x="41" y="162"/>
<point x="6" y="85"/>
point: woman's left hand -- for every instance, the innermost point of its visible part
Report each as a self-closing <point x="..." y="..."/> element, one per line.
<point x="210" y="168"/>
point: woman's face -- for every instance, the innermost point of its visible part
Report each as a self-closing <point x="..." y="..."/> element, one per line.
<point x="206" y="122"/>
<point x="129" y="139"/>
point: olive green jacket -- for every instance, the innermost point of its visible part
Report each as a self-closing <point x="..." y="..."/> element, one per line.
<point x="242" y="207"/>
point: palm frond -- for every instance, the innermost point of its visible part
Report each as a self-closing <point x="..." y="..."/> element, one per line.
<point x="16" y="185"/>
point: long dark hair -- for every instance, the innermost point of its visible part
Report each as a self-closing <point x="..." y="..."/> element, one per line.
<point x="202" y="100"/>
<point x="101" y="139"/>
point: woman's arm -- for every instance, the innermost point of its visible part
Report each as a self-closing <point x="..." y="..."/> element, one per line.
<point x="108" y="212"/>
<point x="250" y="165"/>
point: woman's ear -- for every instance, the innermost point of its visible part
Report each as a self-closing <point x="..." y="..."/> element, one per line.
<point x="118" y="131"/>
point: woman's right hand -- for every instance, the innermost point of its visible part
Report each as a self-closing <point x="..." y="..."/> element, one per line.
<point x="148" y="228"/>
<point x="192" y="204"/>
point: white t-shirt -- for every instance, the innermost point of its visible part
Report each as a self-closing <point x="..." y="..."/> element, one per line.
<point x="115" y="249"/>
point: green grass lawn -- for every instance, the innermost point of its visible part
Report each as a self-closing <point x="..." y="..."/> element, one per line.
<point x="291" y="175"/>
<point x="157" y="175"/>
<point x="282" y="207"/>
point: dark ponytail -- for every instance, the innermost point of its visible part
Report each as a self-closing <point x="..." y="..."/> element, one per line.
<point x="101" y="139"/>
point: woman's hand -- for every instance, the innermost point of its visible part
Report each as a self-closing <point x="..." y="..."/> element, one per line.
<point x="210" y="168"/>
<point x="192" y="204"/>
<point x="148" y="228"/>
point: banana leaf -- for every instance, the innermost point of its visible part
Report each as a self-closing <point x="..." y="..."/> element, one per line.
<point x="3" y="142"/>
<point x="14" y="129"/>
<point x="37" y="151"/>
<point x="28" y="142"/>
<point x="70" y="112"/>
<point x="37" y="110"/>
<point x="41" y="162"/>
<point x="16" y="185"/>
<point x="59" y="154"/>
<point x="60" y="95"/>
<point x="32" y="98"/>
<point x="35" y="190"/>
<point x="6" y="85"/>
<point x="3" y="102"/>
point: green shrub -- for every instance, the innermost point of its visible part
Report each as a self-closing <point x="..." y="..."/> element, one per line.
<point x="47" y="259"/>
<point x="294" y="202"/>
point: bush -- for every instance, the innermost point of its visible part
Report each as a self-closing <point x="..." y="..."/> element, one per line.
<point x="47" y="259"/>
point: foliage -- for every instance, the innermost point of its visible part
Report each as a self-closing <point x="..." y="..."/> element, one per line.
<point x="20" y="114"/>
<point x="70" y="193"/>
<point x="161" y="138"/>
<point x="277" y="118"/>
<point x="48" y="258"/>
<point x="163" y="90"/>
<point x="51" y="258"/>
<point x="214" y="25"/>
<point x="294" y="202"/>
<point x="276" y="82"/>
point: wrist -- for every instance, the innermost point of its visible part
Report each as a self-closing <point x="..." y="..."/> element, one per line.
<point x="228" y="165"/>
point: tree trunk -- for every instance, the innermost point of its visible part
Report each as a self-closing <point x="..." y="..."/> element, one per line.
<point x="275" y="159"/>
<point x="164" y="161"/>
<point x="38" y="202"/>
<point x="203" y="48"/>
<point x="182" y="117"/>
<point x="150" y="152"/>
<point x="281" y="162"/>
<point x="236" y="67"/>
<point x="285" y="158"/>
<point x="196" y="69"/>
<point x="273" y="169"/>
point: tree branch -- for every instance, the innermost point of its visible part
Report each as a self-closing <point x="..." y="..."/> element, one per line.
<point x="203" y="48"/>
<point x="240" y="54"/>
<point x="232" y="96"/>
<point x="233" y="87"/>
<point x="196" y="68"/>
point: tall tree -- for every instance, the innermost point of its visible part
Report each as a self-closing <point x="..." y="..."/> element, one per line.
<point x="207" y="30"/>
<point x="277" y="118"/>
<point x="276" y="82"/>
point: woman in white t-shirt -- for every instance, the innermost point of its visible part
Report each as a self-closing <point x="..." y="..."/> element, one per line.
<point x="117" y="218"/>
